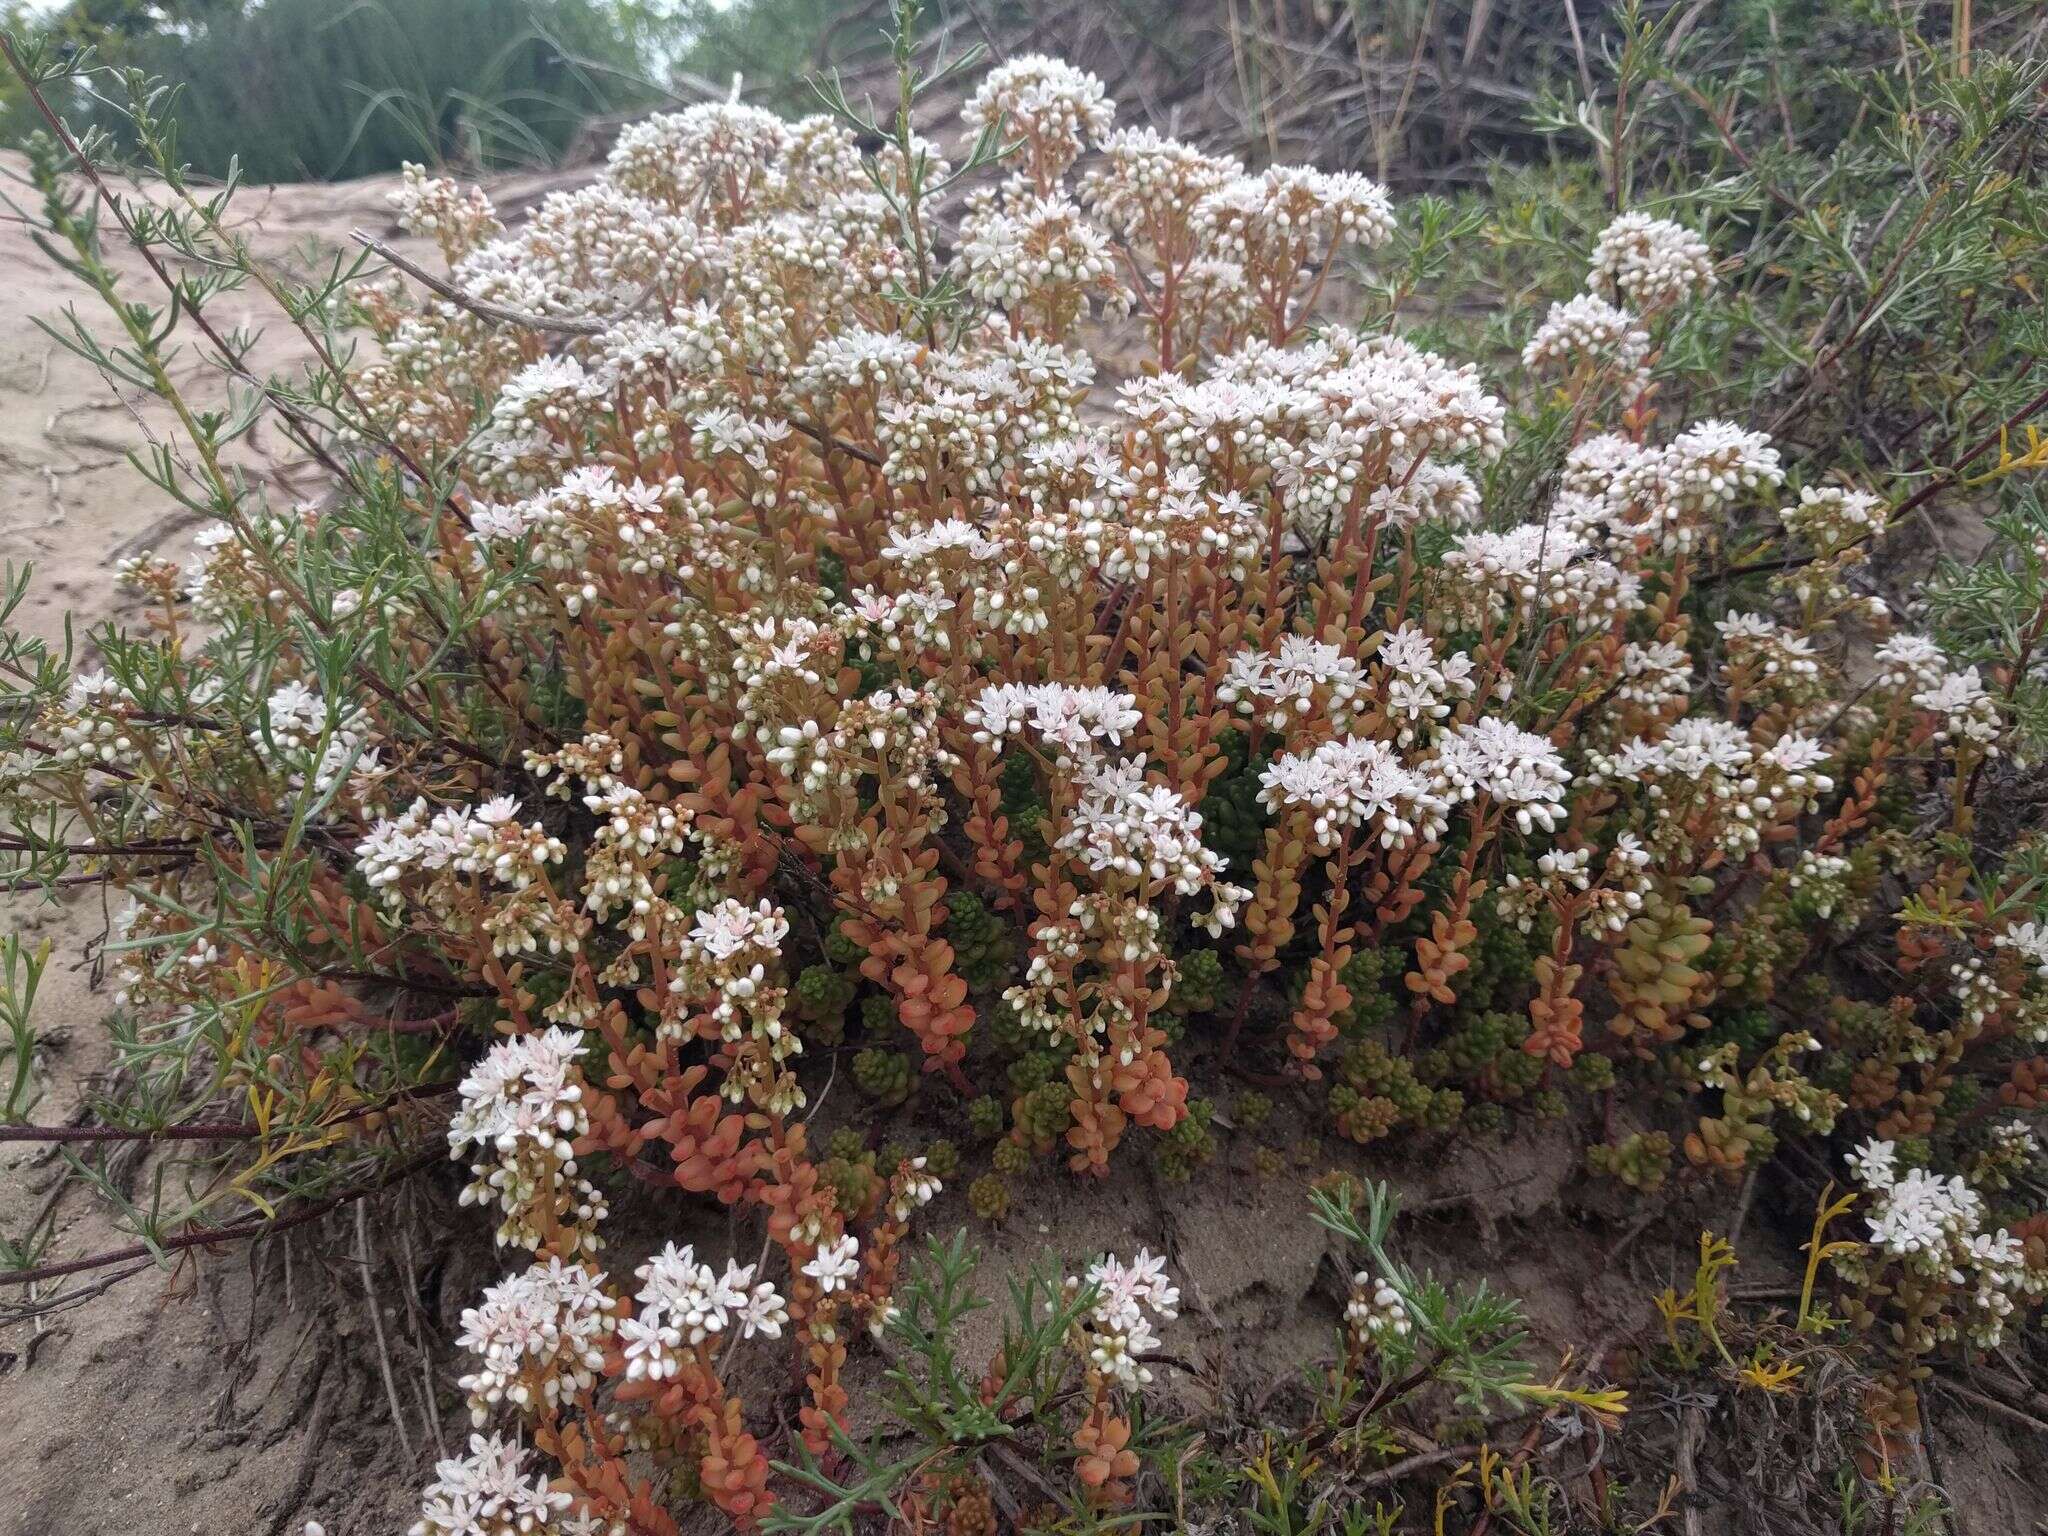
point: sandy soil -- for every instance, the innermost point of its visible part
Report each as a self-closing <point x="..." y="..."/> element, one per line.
<point x="247" y="1396"/>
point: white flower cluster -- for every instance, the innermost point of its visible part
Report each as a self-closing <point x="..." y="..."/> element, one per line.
<point x="1515" y="769"/>
<point x="522" y="1110"/>
<point x="1822" y="879"/>
<point x="912" y="1187"/>
<point x="1933" y="1225"/>
<point x="1295" y="206"/>
<point x="432" y="855"/>
<point x="654" y="527"/>
<point x="726" y="963"/>
<point x="1046" y="101"/>
<point x="1975" y="991"/>
<point x="1768" y="657"/>
<point x="731" y="940"/>
<point x="1641" y="267"/>
<point x="489" y="1493"/>
<point x="2017" y="1138"/>
<point x="1651" y="262"/>
<point x="1071" y="720"/>
<point x="1544" y="567"/>
<point x="455" y="217"/>
<point x="1301" y="676"/>
<point x="298" y="734"/>
<point x="1421" y="685"/>
<point x="1033" y="252"/>
<point x="1146" y="182"/>
<point x="1909" y="663"/>
<point x="1146" y="836"/>
<point x="891" y="735"/>
<point x="1833" y="517"/>
<point x="1128" y="1297"/>
<point x="1356" y="782"/>
<point x="2009" y="1153"/>
<point x="1561" y="874"/>
<point x="1333" y="421"/>
<point x="836" y="1264"/>
<point x="93" y="729"/>
<point x="1963" y="711"/>
<point x="2028" y="940"/>
<point x="539" y="1337"/>
<point x="1708" y="785"/>
<point x="1666" y="499"/>
<point x="1655" y="674"/>
<point x="682" y="1302"/>
<point x="1587" y="329"/>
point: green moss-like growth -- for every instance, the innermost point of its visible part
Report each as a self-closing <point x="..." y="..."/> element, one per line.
<point x="1365" y="1118"/>
<point x="878" y="1016"/>
<point x="986" y="1117"/>
<point x="822" y="994"/>
<point x="1233" y="820"/>
<point x="884" y="1076"/>
<point x="1373" y="978"/>
<point x="989" y="1197"/>
<point x="1501" y="960"/>
<point x="1189" y="1145"/>
<point x="851" y="1173"/>
<point x="1486" y="1119"/>
<point x="1641" y="1161"/>
<point x="1593" y="1072"/>
<point x="1005" y="1031"/>
<point x="1042" y="1116"/>
<point x="1446" y="1108"/>
<point x="841" y="950"/>
<point x="1200" y="986"/>
<point x="1034" y="1069"/>
<point x="982" y="949"/>
<point x="845" y="1142"/>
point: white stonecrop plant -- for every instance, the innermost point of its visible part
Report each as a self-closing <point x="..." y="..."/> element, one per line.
<point x="1929" y="1241"/>
<point x="809" y="510"/>
<point x="1016" y="493"/>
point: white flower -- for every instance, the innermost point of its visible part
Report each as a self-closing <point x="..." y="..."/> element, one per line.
<point x="1047" y="101"/>
<point x="683" y="1302"/>
<point x="1964" y="711"/>
<point x="1376" y="1309"/>
<point x="1127" y="1299"/>
<point x="1587" y="329"/>
<point x="1356" y="782"/>
<point x="1910" y="662"/>
<point x="546" y="1326"/>
<point x="916" y="1188"/>
<point x="487" y="1493"/>
<point x="1875" y="1164"/>
<point x="1072" y="719"/>
<point x="2028" y="940"/>
<point x="1652" y="263"/>
<point x="1126" y="827"/>
<point x="720" y="932"/>
<point x="1516" y="769"/>
<point x="1921" y="1213"/>
<point x="1301" y="675"/>
<point x="836" y="1264"/>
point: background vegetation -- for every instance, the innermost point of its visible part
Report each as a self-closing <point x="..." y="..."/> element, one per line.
<point x="326" y="89"/>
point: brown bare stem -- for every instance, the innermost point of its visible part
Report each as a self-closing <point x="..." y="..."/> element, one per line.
<point x="208" y="1237"/>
